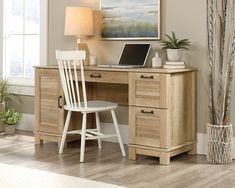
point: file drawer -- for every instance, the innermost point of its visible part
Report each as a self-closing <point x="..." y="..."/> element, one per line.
<point x="148" y="89"/>
<point x="106" y="77"/>
<point x="146" y="126"/>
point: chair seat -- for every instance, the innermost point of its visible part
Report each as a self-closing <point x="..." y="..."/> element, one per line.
<point x="92" y="106"/>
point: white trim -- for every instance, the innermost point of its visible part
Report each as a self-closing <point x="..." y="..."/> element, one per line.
<point x="43" y="32"/>
<point x="202" y="143"/>
<point x="22" y="90"/>
<point x="108" y="128"/>
<point x="24" y="86"/>
<point x="26" y="123"/>
<point x="21" y="81"/>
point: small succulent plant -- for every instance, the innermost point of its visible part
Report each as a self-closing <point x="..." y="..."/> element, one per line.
<point x="172" y="42"/>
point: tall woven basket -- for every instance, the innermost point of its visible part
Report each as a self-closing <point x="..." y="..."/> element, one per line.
<point x="2" y="109"/>
<point x="220" y="143"/>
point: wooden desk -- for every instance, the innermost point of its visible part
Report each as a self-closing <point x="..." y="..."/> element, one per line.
<point x="161" y="103"/>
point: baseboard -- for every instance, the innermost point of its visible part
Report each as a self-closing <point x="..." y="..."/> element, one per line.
<point x="109" y="128"/>
<point x="27" y="123"/>
<point x="202" y="143"/>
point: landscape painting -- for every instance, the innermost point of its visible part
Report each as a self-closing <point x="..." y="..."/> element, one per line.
<point x="130" y="19"/>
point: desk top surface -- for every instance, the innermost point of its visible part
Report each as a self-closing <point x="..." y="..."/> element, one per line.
<point x="150" y="70"/>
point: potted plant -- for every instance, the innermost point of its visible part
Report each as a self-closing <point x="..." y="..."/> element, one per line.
<point x="221" y="47"/>
<point x="10" y="118"/>
<point x="174" y="46"/>
<point x="4" y="94"/>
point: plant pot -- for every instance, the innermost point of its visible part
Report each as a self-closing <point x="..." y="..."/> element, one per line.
<point x="220" y="143"/>
<point x="2" y="109"/>
<point x="9" y="129"/>
<point x="2" y="128"/>
<point x="173" y="54"/>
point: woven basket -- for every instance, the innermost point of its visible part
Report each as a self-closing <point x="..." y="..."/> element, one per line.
<point x="2" y="109"/>
<point x="220" y="143"/>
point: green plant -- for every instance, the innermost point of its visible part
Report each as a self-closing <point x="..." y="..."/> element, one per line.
<point x="4" y="91"/>
<point x="10" y="117"/>
<point x="173" y="42"/>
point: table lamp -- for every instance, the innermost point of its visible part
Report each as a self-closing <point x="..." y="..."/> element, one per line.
<point x="79" y="22"/>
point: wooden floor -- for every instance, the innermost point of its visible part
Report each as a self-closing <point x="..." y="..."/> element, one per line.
<point x="107" y="165"/>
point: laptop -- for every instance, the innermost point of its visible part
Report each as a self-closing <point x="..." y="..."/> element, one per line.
<point x="132" y="56"/>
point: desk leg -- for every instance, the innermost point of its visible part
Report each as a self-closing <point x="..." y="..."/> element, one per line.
<point x="38" y="140"/>
<point x="132" y="154"/>
<point x="194" y="150"/>
<point x="165" y="158"/>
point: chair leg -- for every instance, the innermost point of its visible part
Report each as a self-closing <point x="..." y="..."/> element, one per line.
<point x="83" y="137"/>
<point x="66" y="126"/>
<point x="118" y="133"/>
<point x="97" y="118"/>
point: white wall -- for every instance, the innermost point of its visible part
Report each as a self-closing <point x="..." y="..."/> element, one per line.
<point x="186" y="17"/>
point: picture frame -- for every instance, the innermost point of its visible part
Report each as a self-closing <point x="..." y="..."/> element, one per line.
<point x="130" y="20"/>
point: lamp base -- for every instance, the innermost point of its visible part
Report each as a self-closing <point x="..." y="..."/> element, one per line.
<point x="84" y="47"/>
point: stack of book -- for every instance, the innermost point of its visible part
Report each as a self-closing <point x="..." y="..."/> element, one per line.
<point x="174" y="65"/>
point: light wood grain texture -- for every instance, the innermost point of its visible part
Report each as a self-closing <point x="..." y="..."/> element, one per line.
<point x="49" y="117"/>
<point x="167" y="128"/>
<point x="162" y="107"/>
<point x="105" y="76"/>
<point x="112" y="92"/>
<point x="142" y="70"/>
<point x="146" y="125"/>
<point x="193" y="114"/>
<point x="183" y="108"/>
<point x="49" y="102"/>
<point x="147" y="89"/>
<point x="106" y="165"/>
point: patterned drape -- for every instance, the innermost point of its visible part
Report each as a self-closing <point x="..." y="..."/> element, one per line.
<point x="221" y="46"/>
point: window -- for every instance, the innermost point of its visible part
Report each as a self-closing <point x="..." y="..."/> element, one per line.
<point x="24" y="37"/>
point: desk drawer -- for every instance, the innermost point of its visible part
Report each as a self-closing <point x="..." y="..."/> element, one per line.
<point x="148" y="89"/>
<point x="107" y="77"/>
<point x="146" y="126"/>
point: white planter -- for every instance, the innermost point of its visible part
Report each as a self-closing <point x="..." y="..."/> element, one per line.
<point x="220" y="143"/>
<point x="173" y="54"/>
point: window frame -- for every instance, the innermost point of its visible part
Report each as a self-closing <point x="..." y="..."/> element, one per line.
<point x="25" y="86"/>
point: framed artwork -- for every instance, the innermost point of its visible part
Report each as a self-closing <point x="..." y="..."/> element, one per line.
<point x="130" y="19"/>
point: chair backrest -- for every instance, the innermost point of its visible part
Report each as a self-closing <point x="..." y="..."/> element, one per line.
<point x="70" y="67"/>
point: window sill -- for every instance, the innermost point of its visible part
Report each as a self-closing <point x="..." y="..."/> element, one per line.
<point x="22" y="90"/>
<point x="22" y="87"/>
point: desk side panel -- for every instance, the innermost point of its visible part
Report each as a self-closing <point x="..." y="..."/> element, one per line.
<point x="182" y="109"/>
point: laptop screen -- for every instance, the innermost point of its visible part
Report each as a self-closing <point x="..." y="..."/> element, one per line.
<point x="134" y="54"/>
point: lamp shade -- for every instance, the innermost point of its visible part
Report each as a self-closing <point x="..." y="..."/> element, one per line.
<point x="78" y="21"/>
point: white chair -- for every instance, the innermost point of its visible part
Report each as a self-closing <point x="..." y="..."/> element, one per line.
<point x="70" y="67"/>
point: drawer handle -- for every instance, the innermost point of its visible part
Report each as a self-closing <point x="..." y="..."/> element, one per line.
<point x="95" y="76"/>
<point x="146" y="77"/>
<point x="147" y="112"/>
<point x="59" y="101"/>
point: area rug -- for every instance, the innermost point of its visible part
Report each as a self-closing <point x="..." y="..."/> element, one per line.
<point x="21" y="177"/>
